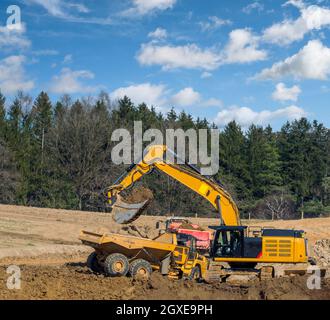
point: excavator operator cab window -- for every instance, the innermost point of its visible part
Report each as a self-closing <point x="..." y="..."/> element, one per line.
<point x="228" y="243"/>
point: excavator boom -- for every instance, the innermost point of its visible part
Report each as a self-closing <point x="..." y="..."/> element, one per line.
<point x="219" y="198"/>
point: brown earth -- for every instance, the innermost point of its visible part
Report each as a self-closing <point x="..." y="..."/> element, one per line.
<point x="45" y="244"/>
<point x="139" y="195"/>
<point x="76" y="282"/>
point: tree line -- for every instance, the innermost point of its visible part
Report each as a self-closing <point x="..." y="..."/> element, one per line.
<point x="58" y="155"/>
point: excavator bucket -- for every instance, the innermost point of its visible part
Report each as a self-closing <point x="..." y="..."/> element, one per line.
<point x="125" y="213"/>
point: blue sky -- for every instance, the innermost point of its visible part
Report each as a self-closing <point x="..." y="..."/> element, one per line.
<point x="250" y="61"/>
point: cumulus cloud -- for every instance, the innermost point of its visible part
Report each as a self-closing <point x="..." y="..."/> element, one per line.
<point x="213" y="23"/>
<point x="186" y="97"/>
<point x="311" y="62"/>
<point x="161" y="97"/>
<point x="70" y="82"/>
<point x="143" y="7"/>
<point x="13" y="38"/>
<point x="152" y="95"/>
<point x="246" y="116"/>
<point x="311" y="18"/>
<point x="12" y="75"/>
<point x="171" y="57"/>
<point x="283" y="93"/>
<point x="243" y="47"/>
<point x="212" y="102"/>
<point x="158" y="34"/>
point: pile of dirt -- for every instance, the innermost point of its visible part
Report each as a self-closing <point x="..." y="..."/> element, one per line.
<point x="76" y="282"/>
<point x="138" y="195"/>
<point x="140" y="231"/>
<point x="189" y="226"/>
<point x="322" y="252"/>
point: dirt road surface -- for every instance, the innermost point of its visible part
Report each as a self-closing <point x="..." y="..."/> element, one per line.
<point x="45" y="244"/>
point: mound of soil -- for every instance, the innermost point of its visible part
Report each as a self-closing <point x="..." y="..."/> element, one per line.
<point x="74" y="281"/>
<point x="189" y="226"/>
<point x="138" y="194"/>
<point x="322" y="252"/>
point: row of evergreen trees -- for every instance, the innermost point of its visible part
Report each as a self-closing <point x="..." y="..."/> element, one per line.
<point x="60" y="156"/>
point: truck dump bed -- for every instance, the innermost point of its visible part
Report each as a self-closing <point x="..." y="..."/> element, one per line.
<point x="152" y="250"/>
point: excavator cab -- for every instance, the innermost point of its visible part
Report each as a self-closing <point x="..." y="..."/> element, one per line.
<point x="228" y="242"/>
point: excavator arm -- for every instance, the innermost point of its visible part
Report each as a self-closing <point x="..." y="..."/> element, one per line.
<point x="219" y="198"/>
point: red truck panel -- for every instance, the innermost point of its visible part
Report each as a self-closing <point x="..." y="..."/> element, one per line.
<point x="203" y="237"/>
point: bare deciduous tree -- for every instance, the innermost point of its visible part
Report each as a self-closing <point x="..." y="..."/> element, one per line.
<point x="80" y="143"/>
<point x="277" y="206"/>
<point x="9" y="176"/>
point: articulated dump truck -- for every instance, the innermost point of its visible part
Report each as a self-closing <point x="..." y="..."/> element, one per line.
<point x="174" y="255"/>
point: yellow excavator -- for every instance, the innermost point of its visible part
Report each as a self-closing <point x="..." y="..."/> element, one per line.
<point x="235" y="246"/>
<point x="186" y="174"/>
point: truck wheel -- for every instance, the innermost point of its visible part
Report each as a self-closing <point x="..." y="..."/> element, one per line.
<point x="92" y="263"/>
<point x="140" y="269"/>
<point x="116" y="265"/>
<point x="195" y="274"/>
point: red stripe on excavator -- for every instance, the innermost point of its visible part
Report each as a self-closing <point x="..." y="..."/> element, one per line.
<point x="259" y="255"/>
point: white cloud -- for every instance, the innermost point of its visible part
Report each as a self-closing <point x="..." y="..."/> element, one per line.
<point x="283" y="93"/>
<point x="162" y="98"/>
<point x="246" y="116"/>
<point x="212" y="102"/>
<point x="45" y="52"/>
<point x="171" y="57"/>
<point x="213" y="23"/>
<point x="311" y="18"/>
<point x="206" y="75"/>
<point x="152" y="95"/>
<point x="12" y="75"/>
<point x="79" y="7"/>
<point x="68" y="11"/>
<point x="186" y="97"/>
<point x="70" y="82"/>
<point x="243" y="47"/>
<point x="296" y="3"/>
<point x="68" y="58"/>
<point x="59" y="8"/>
<point x="311" y="62"/>
<point x="13" y="38"/>
<point x="253" y="6"/>
<point x="159" y="33"/>
<point x="143" y="7"/>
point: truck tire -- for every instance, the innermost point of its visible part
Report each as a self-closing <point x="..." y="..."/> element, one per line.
<point x="195" y="274"/>
<point x="93" y="264"/>
<point x="116" y="265"/>
<point x="140" y="268"/>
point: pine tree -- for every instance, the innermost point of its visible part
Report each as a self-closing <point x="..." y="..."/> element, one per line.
<point x="2" y="116"/>
<point x="233" y="158"/>
<point x="15" y="123"/>
<point x="41" y="120"/>
<point x="264" y="163"/>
